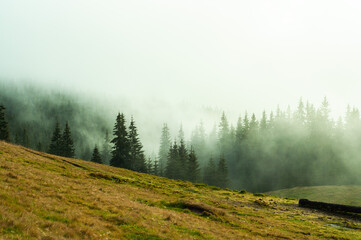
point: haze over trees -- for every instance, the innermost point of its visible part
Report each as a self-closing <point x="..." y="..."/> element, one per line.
<point x="283" y="148"/>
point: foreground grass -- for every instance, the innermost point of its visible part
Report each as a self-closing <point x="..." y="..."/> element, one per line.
<point x="47" y="197"/>
<point x="347" y="195"/>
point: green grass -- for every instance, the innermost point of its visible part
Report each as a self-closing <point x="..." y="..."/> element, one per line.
<point x="347" y="195"/>
<point x="48" y="197"/>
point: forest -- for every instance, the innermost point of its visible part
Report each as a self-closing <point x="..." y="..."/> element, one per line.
<point x="281" y="149"/>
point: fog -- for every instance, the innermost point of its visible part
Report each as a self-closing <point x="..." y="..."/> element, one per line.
<point x="183" y="62"/>
<point x="231" y="55"/>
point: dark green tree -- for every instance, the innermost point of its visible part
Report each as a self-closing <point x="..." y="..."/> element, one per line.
<point x="172" y="167"/>
<point x="96" y="156"/>
<point x="165" y="144"/>
<point x="155" y="169"/>
<point x="106" y="148"/>
<point x="193" y="167"/>
<point x="136" y="153"/>
<point x="182" y="161"/>
<point x="4" y="126"/>
<point x="222" y="173"/>
<point x="67" y="144"/>
<point x="210" y="173"/>
<point x="56" y="141"/>
<point x="121" y="146"/>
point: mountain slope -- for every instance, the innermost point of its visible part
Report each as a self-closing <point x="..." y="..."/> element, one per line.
<point x="48" y="197"/>
<point x="347" y="195"/>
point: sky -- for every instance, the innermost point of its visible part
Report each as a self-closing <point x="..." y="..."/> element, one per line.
<point x="229" y="55"/>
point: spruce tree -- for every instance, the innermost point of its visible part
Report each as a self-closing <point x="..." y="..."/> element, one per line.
<point x="106" y="148"/>
<point x="4" y="128"/>
<point x="182" y="161"/>
<point x="155" y="169"/>
<point x="222" y="173"/>
<point x="136" y="154"/>
<point x="193" y="167"/>
<point x="210" y="173"/>
<point x="67" y="144"/>
<point x="96" y="155"/>
<point x="56" y="141"/>
<point x="165" y="144"/>
<point x="171" y="170"/>
<point x="121" y="149"/>
<point x="25" y="138"/>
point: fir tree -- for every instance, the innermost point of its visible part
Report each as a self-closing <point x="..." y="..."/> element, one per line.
<point x="222" y="173"/>
<point x="25" y="138"/>
<point x="165" y="144"/>
<point x="121" y="149"/>
<point x="96" y="155"/>
<point x="56" y="141"/>
<point x="193" y="167"/>
<point x="106" y="148"/>
<point x="155" y="169"/>
<point x="172" y="162"/>
<point x="136" y="154"/>
<point x="67" y="144"/>
<point x="182" y="161"/>
<point x="210" y="173"/>
<point x="4" y="128"/>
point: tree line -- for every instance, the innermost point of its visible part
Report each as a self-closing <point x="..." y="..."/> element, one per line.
<point x="281" y="149"/>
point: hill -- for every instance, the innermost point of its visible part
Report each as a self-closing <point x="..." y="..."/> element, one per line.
<point x="48" y="197"/>
<point x="347" y="195"/>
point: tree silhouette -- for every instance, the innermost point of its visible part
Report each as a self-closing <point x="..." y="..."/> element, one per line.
<point x="4" y="128"/>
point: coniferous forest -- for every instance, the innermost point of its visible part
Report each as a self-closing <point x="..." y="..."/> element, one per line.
<point x="279" y="149"/>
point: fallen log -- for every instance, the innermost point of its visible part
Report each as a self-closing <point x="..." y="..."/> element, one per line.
<point x="329" y="207"/>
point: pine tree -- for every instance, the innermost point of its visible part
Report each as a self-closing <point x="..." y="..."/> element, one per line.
<point x="263" y="123"/>
<point x="182" y="161"/>
<point x="222" y="173"/>
<point x="155" y="167"/>
<point x="193" y="167"/>
<point x="106" y="148"/>
<point x="136" y="154"/>
<point x="4" y="128"/>
<point x="165" y="144"/>
<point x="67" y="144"/>
<point x="121" y="148"/>
<point x="210" y="173"/>
<point x="96" y="155"/>
<point x="56" y="141"/>
<point x="25" y="138"/>
<point x="172" y="162"/>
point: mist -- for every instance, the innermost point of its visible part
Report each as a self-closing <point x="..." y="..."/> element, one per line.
<point x="183" y="64"/>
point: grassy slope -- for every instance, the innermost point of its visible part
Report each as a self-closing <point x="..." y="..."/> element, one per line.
<point x="48" y="197"/>
<point x="349" y="195"/>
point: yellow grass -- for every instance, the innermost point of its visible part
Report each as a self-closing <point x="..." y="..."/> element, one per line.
<point x="48" y="197"/>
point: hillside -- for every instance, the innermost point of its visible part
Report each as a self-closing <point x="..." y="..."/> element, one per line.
<point x="348" y="195"/>
<point x="48" y="197"/>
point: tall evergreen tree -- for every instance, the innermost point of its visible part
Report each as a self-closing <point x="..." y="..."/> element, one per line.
<point x="96" y="156"/>
<point x="165" y="144"/>
<point x="155" y="169"/>
<point x="56" y="141"/>
<point x="182" y="161"/>
<point x="121" y="148"/>
<point x="210" y="173"/>
<point x="193" y="167"/>
<point x="4" y="128"/>
<point x="222" y="173"/>
<point x="67" y="144"/>
<point x="172" y="167"/>
<point x="136" y="154"/>
<point x="106" y="148"/>
<point x="25" y="138"/>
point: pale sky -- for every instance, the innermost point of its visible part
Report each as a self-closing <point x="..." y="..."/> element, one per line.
<point x="232" y="55"/>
